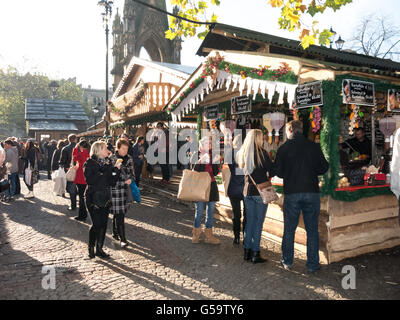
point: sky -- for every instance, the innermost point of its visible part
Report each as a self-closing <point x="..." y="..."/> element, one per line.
<point x="66" y="38"/>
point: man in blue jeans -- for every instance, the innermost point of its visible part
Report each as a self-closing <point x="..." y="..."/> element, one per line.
<point x="299" y="162"/>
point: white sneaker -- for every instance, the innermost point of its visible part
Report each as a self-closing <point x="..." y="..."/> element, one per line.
<point x="29" y="195"/>
<point x="124" y="244"/>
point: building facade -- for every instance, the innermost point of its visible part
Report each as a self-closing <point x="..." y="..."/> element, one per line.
<point x="141" y="27"/>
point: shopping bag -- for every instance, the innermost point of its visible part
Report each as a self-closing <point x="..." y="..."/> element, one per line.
<point x="135" y="192"/>
<point x="58" y="186"/>
<point x="226" y="178"/>
<point x="194" y="186"/>
<point x="71" y="174"/>
<point x="28" y="176"/>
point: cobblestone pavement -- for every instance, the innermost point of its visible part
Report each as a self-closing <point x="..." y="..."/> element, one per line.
<point x="161" y="262"/>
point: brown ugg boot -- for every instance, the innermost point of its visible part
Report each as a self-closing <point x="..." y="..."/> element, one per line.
<point x="209" y="237"/>
<point x="196" y="235"/>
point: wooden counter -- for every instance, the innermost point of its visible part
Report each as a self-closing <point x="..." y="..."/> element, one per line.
<point x="346" y="229"/>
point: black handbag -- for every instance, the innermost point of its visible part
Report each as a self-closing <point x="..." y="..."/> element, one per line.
<point x="102" y="199"/>
<point x="4" y="185"/>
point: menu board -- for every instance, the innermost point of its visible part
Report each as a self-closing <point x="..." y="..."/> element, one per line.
<point x="211" y="112"/>
<point x="240" y="104"/>
<point x="393" y="103"/>
<point x="309" y="95"/>
<point x="358" y="92"/>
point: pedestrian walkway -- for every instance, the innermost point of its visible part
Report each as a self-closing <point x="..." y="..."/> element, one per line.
<point x="161" y="262"/>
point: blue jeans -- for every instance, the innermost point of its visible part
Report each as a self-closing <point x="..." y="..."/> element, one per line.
<point x="309" y="205"/>
<point x="200" y="212"/>
<point x="12" y="178"/>
<point x="255" y="216"/>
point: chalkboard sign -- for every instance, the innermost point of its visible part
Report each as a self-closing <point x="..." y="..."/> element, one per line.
<point x="309" y="95"/>
<point x="211" y="112"/>
<point x="358" y="92"/>
<point x="240" y="105"/>
<point x="393" y="102"/>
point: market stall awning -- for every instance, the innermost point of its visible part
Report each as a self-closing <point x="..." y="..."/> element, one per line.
<point x="251" y="74"/>
<point x="227" y="37"/>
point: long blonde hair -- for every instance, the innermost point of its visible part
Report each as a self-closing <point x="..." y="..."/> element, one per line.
<point x="245" y="156"/>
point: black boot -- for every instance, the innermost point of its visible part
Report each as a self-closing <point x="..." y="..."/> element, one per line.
<point x="236" y="240"/>
<point x="247" y="254"/>
<point x="121" y="232"/>
<point x="115" y="230"/>
<point x="256" y="258"/>
<point x="101" y="235"/>
<point x="92" y="243"/>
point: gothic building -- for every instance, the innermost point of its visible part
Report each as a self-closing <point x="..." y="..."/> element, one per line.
<point x="141" y="27"/>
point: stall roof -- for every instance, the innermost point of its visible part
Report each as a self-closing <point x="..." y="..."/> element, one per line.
<point x="39" y="125"/>
<point x="226" y="37"/>
<point x="48" y="109"/>
<point x="177" y="70"/>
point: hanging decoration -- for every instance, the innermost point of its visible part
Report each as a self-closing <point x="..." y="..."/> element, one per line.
<point x="354" y="118"/>
<point x="277" y="122"/>
<point x="387" y="126"/>
<point x="267" y="124"/>
<point x="217" y="73"/>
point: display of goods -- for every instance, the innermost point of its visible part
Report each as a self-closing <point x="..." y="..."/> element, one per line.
<point x="267" y="124"/>
<point x="316" y="119"/>
<point x="354" y="118"/>
<point x="387" y="126"/>
<point x="277" y="122"/>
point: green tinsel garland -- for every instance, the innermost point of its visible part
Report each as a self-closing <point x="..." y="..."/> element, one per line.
<point x="350" y="196"/>
<point x="199" y="124"/>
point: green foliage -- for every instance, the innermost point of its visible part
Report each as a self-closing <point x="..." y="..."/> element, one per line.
<point x="15" y="88"/>
<point x="292" y="16"/>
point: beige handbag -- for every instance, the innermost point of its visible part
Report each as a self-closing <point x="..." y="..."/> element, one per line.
<point x="226" y="178"/>
<point x="266" y="190"/>
<point x="194" y="186"/>
<point x="71" y="173"/>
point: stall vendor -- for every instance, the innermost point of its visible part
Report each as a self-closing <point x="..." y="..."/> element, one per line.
<point x="360" y="143"/>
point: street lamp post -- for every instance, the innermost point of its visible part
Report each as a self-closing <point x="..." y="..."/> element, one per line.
<point x="96" y="110"/>
<point x="54" y="87"/>
<point x="106" y="17"/>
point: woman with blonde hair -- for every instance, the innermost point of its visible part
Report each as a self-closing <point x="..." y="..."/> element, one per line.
<point x="255" y="162"/>
<point x="100" y="176"/>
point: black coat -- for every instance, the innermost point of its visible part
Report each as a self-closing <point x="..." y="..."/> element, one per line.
<point x="261" y="173"/>
<point x="66" y="156"/>
<point x="55" y="160"/>
<point x="99" y="176"/>
<point x="299" y="162"/>
<point x="236" y="183"/>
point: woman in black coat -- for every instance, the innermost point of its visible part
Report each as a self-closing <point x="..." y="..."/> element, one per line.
<point x="56" y="155"/>
<point x="100" y="175"/>
<point x="31" y="158"/>
<point x="235" y="192"/>
<point x="204" y="164"/>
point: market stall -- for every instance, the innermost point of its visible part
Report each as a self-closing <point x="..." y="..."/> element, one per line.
<point x="357" y="216"/>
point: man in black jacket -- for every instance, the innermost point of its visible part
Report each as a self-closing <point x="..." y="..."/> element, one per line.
<point x="65" y="162"/>
<point x="299" y="162"/>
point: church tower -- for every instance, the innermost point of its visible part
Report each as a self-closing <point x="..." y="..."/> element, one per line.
<point x="142" y="27"/>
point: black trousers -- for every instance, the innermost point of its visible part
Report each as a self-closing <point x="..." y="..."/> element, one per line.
<point x="138" y="173"/>
<point x="82" y="205"/>
<point x="17" y="185"/>
<point x="165" y="169"/>
<point x="237" y="215"/>
<point x="99" y="216"/>
<point x="71" y="189"/>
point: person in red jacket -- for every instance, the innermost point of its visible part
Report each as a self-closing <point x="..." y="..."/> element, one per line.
<point x="79" y="156"/>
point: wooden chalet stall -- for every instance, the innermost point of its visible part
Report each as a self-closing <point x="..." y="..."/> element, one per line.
<point x="355" y="219"/>
<point x="141" y="95"/>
